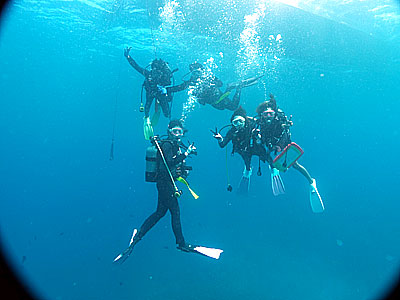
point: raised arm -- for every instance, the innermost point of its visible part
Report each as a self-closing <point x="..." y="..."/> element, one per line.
<point x="134" y="64"/>
<point x="223" y="141"/>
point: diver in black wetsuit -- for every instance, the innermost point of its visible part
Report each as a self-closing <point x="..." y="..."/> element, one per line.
<point x="273" y="126"/>
<point x="275" y="134"/>
<point x="206" y="88"/>
<point x="246" y="141"/>
<point x="274" y="129"/>
<point x="157" y="79"/>
<point x="174" y="154"/>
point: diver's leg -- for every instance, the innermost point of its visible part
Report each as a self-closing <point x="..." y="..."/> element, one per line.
<point x="218" y="99"/>
<point x="165" y="106"/>
<point x="244" y="183"/>
<point x="247" y="160"/>
<point x="147" y="105"/>
<point x="156" y="216"/>
<point x="176" y="220"/>
<point x="303" y="171"/>
<point x="221" y="105"/>
<point x="234" y="104"/>
<point x="259" y="150"/>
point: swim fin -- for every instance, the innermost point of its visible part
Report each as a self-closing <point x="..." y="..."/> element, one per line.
<point x="125" y="254"/>
<point x="317" y="205"/>
<point x="278" y="188"/>
<point x="209" y="252"/>
<point x="249" y="82"/>
<point x="183" y="180"/>
<point x="147" y="128"/>
<point x="244" y="184"/>
<point x="243" y="83"/>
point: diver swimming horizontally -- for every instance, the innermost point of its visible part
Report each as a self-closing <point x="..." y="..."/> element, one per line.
<point x="274" y="129"/>
<point x="207" y="88"/>
<point x="165" y="164"/>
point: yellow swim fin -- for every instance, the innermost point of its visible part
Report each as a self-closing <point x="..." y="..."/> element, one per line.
<point x="147" y="128"/>
<point x="181" y="179"/>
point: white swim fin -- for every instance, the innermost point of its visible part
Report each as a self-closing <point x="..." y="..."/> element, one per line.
<point x="317" y="205"/>
<point x="210" y="252"/>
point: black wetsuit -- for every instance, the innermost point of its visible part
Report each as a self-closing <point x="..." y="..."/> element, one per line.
<point x="153" y="80"/>
<point x="245" y="142"/>
<point x="275" y="134"/>
<point x="166" y="198"/>
<point x="207" y="91"/>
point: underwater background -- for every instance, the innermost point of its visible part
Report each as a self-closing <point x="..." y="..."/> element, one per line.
<point x="67" y="210"/>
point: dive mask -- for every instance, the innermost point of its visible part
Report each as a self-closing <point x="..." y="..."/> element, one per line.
<point x="238" y="122"/>
<point x="268" y="114"/>
<point x="176" y="131"/>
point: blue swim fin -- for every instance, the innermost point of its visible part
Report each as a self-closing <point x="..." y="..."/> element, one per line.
<point x="244" y="184"/>
<point x="278" y="188"/>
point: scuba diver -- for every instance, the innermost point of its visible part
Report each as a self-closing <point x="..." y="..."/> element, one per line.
<point x="157" y="79"/>
<point x="274" y="128"/>
<point x="206" y="88"/>
<point x="246" y="141"/>
<point x="165" y="164"/>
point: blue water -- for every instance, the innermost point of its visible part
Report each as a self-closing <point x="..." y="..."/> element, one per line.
<point x="66" y="210"/>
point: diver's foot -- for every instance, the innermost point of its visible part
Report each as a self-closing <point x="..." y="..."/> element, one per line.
<point x="231" y="86"/>
<point x="185" y="247"/>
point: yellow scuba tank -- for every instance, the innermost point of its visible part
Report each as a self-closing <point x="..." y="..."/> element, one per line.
<point x="151" y="164"/>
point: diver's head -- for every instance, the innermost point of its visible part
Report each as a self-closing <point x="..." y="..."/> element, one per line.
<point x="195" y="66"/>
<point x="175" y="130"/>
<point x="268" y="115"/>
<point x="238" y="122"/>
<point x="238" y="118"/>
<point x="196" y="69"/>
<point x="263" y="106"/>
<point x="158" y="64"/>
<point x="267" y="110"/>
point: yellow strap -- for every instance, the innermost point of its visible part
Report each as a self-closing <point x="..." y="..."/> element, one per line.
<point x="223" y="96"/>
<point x="180" y="179"/>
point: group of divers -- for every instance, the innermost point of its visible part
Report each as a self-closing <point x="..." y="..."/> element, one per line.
<point x="266" y="135"/>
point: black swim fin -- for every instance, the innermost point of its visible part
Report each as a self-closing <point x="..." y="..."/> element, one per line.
<point x="127" y="252"/>
<point x="243" y="83"/>
<point x="249" y="82"/>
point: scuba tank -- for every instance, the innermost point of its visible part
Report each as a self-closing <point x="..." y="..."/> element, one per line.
<point x="151" y="164"/>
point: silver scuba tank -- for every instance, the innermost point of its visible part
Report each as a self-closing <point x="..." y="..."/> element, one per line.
<point x="151" y="164"/>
